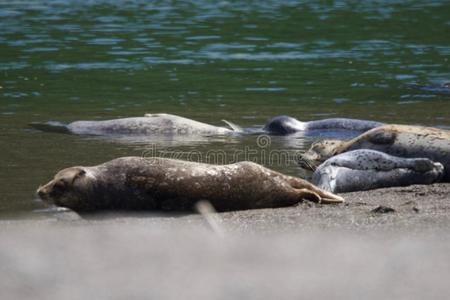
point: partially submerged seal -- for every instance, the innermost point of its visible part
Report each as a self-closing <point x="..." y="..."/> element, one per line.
<point x="443" y="88"/>
<point x="398" y="140"/>
<point x="134" y="183"/>
<point x="360" y="170"/>
<point x="287" y="125"/>
<point x="150" y="124"/>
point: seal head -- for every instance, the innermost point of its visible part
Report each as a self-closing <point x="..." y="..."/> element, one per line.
<point x="68" y="187"/>
<point x="284" y="125"/>
<point x="319" y="152"/>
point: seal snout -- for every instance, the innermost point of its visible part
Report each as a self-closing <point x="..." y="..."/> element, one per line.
<point x="307" y="163"/>
<point x="42" y="192"/>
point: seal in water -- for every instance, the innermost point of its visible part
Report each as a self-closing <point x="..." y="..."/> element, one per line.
<point x="288" y="125"/>
<point x="135" y="183"/>
<point x="150" y="124"/>
<point x="361" y="170"/>
<point x="443" y="88"/>
<point x="398" y="140"/>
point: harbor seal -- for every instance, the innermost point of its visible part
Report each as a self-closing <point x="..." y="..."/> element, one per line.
<point x="287" y="125"/>
<point x="443" y="88"/>
<point x="150" y="124"/>
<point x="397" y="140"/>
<point x="361" y="170"/>
<point x="135" y="183"/>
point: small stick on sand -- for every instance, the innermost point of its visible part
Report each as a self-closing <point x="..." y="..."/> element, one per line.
<point x="210" y="215"/>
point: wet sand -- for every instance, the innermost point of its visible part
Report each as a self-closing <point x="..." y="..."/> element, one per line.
<point x="355" y="250"/>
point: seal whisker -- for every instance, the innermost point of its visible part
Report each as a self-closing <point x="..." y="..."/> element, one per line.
<point x="307" y="164"/>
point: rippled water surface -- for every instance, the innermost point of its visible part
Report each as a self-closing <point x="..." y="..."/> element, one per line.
<point x="244" y="61"/>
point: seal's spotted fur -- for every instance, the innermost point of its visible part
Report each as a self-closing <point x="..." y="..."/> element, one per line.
<point x="167" y="184"/>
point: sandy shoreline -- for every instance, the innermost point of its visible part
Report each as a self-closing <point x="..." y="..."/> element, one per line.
<point x="306" y="251"/>
<point x="412" y="208"/>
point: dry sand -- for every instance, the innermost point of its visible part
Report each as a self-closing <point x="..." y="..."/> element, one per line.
<point x="355" y="250"/>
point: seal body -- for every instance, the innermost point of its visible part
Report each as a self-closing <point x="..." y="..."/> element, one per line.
<point x="397" y="140"/>
<point x="134" y="183"/>
<point x="360" y="170"/>
<point x="150" y="124"/>
<point x="287" y="125"/>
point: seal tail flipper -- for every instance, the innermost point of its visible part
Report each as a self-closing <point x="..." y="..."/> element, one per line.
<point x="236" y="128"/>
<point x="325" y="199"/>
<point x="51" y="126"/>
<point x="311" y="192"/>
<point x="423" y="165"/>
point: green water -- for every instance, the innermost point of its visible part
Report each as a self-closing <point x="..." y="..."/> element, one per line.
<point x="244" y="61"/>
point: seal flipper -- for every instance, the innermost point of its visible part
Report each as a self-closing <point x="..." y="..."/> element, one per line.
<point x="236" y="128"/>
<point x="311" y="192"/>
<point x="320" y="197"/>
<point x="50" y="126"/>
<point x="423" y="165"/>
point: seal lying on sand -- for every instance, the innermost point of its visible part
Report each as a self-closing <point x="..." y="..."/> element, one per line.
<point x="360" y="170"/>
<point x="134" y="183"/>
<point x="288" y="125"/>
<point x="150" y="124"/>
<point x="398" y="140"/>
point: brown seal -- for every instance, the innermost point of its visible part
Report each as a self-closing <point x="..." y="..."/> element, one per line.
<point x="398" y="140"/>
<point x="134" y="183"/>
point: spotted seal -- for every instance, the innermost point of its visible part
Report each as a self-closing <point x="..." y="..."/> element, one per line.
<point x="397" y="140"/>
<point x="364" y="169"/>
<point x="150" y="124"/>
<point x="287" y="125"/>
<point x="135" y="183"/>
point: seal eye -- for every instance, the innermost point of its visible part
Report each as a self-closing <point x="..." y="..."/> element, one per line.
<point x="80" y="173"/>
<point x="58" y="188"/>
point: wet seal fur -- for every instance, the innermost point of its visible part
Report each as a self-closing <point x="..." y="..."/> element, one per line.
<point x="361" y="170"/>
<point x="135" y="183"/>
<point x="150" y="124"/>
<point x="284" y="125"/>
<point x="397" y="140"/>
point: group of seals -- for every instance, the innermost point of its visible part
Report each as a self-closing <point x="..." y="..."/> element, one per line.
<point x="167" y="124"/>
<point x="137" y="183"/>
<point x="382" y="156"/>
<point x="400" y="155"/>
<point x="134" y="183"/>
